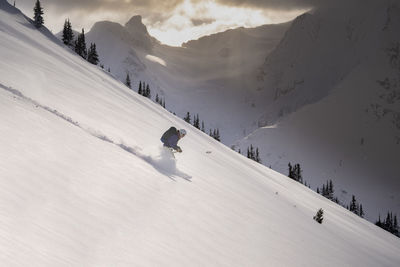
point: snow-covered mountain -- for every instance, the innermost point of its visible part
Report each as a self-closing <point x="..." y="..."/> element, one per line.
<point x="84" y="181"/>
<point x="340" y="65"/>
<point x="197" y="77"/>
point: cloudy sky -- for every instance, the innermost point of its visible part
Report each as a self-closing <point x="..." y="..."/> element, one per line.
<point x="170" y="21"/>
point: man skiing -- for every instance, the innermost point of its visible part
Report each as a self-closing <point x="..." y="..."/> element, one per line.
<point x="171" y="137"/>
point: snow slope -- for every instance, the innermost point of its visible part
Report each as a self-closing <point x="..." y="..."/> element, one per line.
<point x="84" y="181"/>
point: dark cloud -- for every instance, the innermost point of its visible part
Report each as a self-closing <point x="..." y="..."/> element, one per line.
<point x="65" y="6"/>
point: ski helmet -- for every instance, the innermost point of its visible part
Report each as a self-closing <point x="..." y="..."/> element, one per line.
<point x="182" y="132"/>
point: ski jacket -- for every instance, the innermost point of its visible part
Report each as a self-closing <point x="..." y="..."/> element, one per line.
<point x="170" y="138"/>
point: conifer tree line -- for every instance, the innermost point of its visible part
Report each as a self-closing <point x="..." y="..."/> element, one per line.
<point x="390" y="224"/>
<point x="253" y="154"/>
<point x="79" y="44"/>
<point x="214" y="133"/>
<point x="160" y="101"/>
<point x="196" y="123"/>
<point x="327" y="191"/>
<point x="295" y="172"/>
<point x="356" y="207"/>
<point x="144" y="89"/>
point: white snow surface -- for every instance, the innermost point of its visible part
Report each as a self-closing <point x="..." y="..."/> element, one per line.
<point x="84" y="180"/>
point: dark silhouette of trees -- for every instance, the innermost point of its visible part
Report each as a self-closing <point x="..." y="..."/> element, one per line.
<point x="38" y="20"/>
<point x="128" y="80"/>
<point x="68" y="35"/>
<point x="80" y="45"/>
<point x="93" y="57"/>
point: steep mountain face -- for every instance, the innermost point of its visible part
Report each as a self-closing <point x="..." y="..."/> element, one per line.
<point x="85" y="182"/>
<point x="320" y="50"/>
<point x="344" y="63"/>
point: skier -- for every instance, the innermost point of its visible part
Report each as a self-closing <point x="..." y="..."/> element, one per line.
<point x="171" y="137"/>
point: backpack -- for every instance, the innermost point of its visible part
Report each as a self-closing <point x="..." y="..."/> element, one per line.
<point x="171" y="131"/>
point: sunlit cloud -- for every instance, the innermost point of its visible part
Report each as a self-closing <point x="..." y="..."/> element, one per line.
<point x="170" y="21"/>
<point x="191" y="20"/>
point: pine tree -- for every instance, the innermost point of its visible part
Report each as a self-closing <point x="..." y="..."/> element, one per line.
<point x="37" y="15"/>
<point x="128" y="80"/>
<point x="297" y="173"/>
<point x="196" y="121"/>
<point x="68" y="34"/>
<point x="187" y="118"/>
<point x="217" y="136"/>
<point x="290" y="175"/>
<point x="140" y="91"/>
<point x="257" y="157"/>
<point x="144" y="89"/>
<point x="147" y="91"/>
<point x="330" y="190"/>
<point x="379" y="222"/>
<point x="80" y="45"/>
<point x="202" y="126"/>
<point x="361" y="211"/>
<point x="163" y="104"/>
<point x="388" y="222"/>
<point x="250" y="152"/>
<point x="353" y="205"/>
<point x="93" y="57"/>
<point x="157" y="99"/>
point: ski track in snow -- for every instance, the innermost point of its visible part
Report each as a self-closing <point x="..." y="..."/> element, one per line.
<point x="165" y="164"/>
